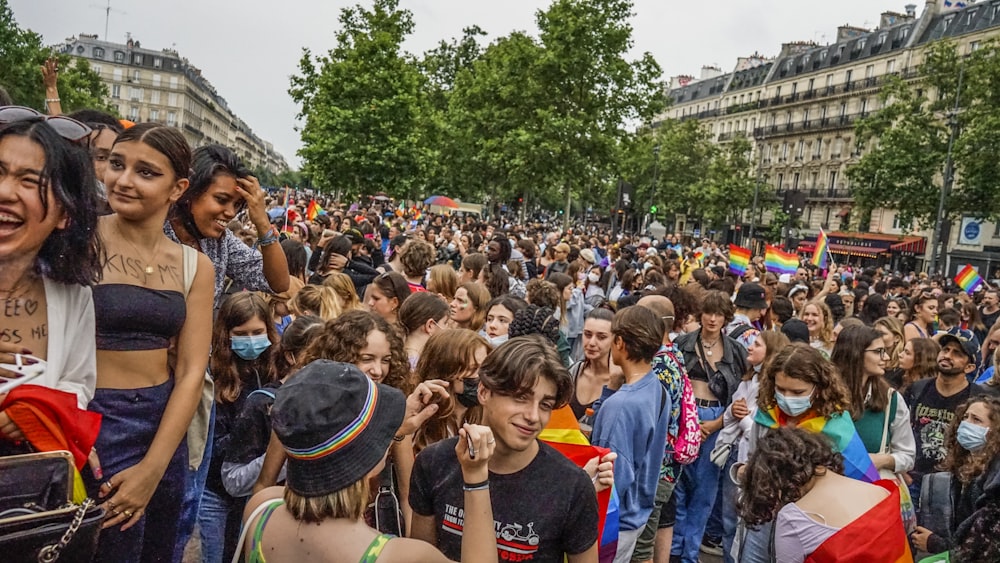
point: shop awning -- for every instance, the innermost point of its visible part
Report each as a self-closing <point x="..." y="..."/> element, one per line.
<point x="842" y="249"/>
<point x="916" y="245"/>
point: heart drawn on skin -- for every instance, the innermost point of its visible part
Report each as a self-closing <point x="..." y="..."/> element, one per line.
<point x="30" y="306"/>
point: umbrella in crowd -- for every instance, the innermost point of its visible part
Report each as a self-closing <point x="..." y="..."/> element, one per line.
<point x="441" y="201"/>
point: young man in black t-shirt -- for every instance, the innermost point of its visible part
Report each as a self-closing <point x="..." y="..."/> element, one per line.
<point x="544" y="506"/>
<point x="933" y="402"/>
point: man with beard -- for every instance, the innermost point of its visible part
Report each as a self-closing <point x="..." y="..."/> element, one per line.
<point x="933" y="401"/>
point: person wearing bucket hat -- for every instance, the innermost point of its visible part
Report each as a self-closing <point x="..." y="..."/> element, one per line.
<point x="336" y="425"/>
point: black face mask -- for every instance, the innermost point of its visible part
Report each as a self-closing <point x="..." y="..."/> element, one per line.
<point x="470" y="396"/>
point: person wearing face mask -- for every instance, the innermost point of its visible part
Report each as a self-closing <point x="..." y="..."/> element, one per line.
<point x="240" y="364"/>
<point x="801" y="388"/>
<point x="593" y="292"/>
<point x="973" y="463"/>
<point x="499" y="314"/>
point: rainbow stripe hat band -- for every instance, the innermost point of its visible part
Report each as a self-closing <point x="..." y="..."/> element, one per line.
<point x="341" y="439"/>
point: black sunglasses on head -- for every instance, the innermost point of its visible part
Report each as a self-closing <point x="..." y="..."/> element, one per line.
<point x="67" y="127"/>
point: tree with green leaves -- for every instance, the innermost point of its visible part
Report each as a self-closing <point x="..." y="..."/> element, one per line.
<point x="22" y="55"/>
<point x="362" y="104"/>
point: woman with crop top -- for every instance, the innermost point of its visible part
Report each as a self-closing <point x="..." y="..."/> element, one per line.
<point x="593" y="372"/>
<point x="49" y="254"/>
<point x="153" y="291"/>
<point x="922" y="316"/>
<point x="715" y="364"/>
<point x="221" y="187"/>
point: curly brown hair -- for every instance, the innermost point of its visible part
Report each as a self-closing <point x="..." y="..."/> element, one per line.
<point x="805" y="363"/>
<point x="785" y="460"/>
<point x="543" y="294"/>
<point x="925" y="353"/>
<point x="343" y="339"/>
<point x="962" y="463"/>
<point x="229" y="370"/>
<point x="416" y="256"/>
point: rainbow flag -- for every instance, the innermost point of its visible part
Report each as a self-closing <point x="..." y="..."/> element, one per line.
<point x="739" y="259"/>
<point x="877" y="535"/>
<point x="822" y="250"/>
<point x="968" y="279"/>
<point x="699" y="256"/>
<point x="563" y="433"/>
<point x="839" y="428"/>
<point x="313" y="210"/>
<point x="779" y="261"/>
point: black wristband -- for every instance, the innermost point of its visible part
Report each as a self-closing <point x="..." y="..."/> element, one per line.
<point x="480" y="485"/>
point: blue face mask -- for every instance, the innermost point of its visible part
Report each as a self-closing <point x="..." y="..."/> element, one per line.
<point x="498" y="340"/>
<point x="793" y="406"/>
<point x="249" y="347"/>
<point x="971" y="436"/>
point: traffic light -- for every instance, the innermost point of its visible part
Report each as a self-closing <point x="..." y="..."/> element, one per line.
<point x="653" y="209"/>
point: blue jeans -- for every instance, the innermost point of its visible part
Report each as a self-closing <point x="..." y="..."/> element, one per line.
<point x="219" y="519"/>
<point x="757" y="546"/>
<point x="192" y="493"/>
<point x="130" y="420"/>
<point x="695" y="493"/>
<point x="729" y="491"/>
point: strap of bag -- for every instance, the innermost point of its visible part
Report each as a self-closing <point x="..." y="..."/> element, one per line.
<point x="249" y="524"/>
<point x="265" y="392"/>
<point x="885" y="424"/>
<point x="190" y="267"/>
<point x="50" y="553"/>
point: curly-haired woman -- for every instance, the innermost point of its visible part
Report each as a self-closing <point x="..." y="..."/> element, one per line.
<point x="819" y="320"/>
<point x="973" y="459"/>
<point x="796" y="480"/>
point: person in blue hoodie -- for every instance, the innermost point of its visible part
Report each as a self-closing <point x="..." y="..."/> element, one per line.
<point x="633" y="421"/>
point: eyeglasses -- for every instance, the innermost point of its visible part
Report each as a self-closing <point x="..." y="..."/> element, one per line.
<point x="880" y="351"/>
<point x="67" y="127"/>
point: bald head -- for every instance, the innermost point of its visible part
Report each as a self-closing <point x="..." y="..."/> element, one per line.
<point x="661" y="307"/>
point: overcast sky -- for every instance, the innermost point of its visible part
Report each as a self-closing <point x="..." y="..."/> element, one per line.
<point x="249" y="48"/>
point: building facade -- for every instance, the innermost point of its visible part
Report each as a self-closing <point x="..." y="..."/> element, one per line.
<point x="800" y="108"/>
<point x="161" y="86"/>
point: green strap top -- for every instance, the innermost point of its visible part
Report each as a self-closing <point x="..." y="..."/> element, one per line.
<point x="870" y="425"/>
<point x="256" y="547"/>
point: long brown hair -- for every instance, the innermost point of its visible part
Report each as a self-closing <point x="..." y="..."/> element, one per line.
<point x="805" y="363"/>
<point x="774" y="342"/>
<point x="961" y="462"/>
<point x="447" y="355"/>
<point x="925" y="353"/>
<point x="849" y="357"/>
<point x="229" y="370"/>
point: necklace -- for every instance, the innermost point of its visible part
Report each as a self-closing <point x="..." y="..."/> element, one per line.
<point x="156" y="251"/>
<point x="711" y="346"/>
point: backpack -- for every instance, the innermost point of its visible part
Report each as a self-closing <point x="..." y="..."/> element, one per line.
<point x="685" y="441"/>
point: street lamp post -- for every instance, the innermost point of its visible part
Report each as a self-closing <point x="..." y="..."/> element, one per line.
<point x="756" y="191"/>
<point x="652" y="189"/>
<point x="939" y="234"/>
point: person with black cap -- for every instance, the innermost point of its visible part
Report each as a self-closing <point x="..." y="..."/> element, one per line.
<point x="336" y="426"/>
<point x="933" y="401"/>
<point x="751" y="303"/>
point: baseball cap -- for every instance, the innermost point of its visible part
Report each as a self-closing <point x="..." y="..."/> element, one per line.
<point x="966" y="340"/>
<point x="751" y="296"/>
<point x="355" y="236"/>
<point x="335" y="425"/>
<point x="588" y="255"/>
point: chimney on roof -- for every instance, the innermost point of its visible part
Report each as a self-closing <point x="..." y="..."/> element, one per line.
<point x="889" y="19"/>
<point x="911" y="10"/>
<point x="709" y="71"/>
<point x="796" y="47"/>
<point x="681" y="81"/>
<point x="846" y="32"/>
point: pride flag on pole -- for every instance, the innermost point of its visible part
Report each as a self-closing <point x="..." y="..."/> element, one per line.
<point x="968" y="279"/>
<point x="739" y="259"/>
<point x="313" y="210"/>
<point x="821" y="251"/>
<point x="699" y="256"/>
<point x="779" y="261"/>
<point x="563" y="433"/>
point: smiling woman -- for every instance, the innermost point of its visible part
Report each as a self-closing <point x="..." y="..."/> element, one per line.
<point x="221" y="187"/>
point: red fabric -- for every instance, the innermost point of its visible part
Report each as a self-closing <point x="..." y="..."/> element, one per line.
<point x="51" y="420"/>
<point x="878" y="535"/>
<point x="581" y="454"/>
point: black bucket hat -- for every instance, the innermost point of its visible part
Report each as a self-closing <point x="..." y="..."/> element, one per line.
<point x="335" y="425"/>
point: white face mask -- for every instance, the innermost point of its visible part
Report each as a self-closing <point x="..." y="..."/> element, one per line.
<point x="498" y="340"/>
<point x="594" y="278"/>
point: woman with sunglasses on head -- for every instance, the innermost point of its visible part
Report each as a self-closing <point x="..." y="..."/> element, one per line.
<point x="153" y="291"/>
<point x="220" y="189"/>
<point x="49" y="253"/>
<point x="923" y="314"/>
<point x="880" y="414"/>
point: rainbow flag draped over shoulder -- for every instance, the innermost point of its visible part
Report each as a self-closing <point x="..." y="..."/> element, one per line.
<point x="739" y="259"/>
<point x="779" y="261"/>
<point x="877" y="535"/>
<point x="968" y="279"/>
<point x="821" y="251"/>
<point x="563" y="433"/>
<point x="839" y="428"/>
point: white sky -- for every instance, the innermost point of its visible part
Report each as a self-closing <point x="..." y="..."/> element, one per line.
<point x="249" y="48"/>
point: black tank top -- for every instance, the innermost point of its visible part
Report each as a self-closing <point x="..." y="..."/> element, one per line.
<point x="131" y="317"/>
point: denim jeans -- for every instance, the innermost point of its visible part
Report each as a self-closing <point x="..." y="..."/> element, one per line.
<point x="219" y="519"/>
<point x="695" y="492"/>
<point x="728" y="492"/>
<point x="130" y="420"/>
<point x="756" y="546"/>
<point x="192" y="493"/>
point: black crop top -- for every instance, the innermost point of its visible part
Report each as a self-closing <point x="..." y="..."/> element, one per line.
<point x="130" y="317"/>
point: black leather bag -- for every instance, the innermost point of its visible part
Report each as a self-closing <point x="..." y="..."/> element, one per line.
<point x="38" y="520"/>
<point x="937" y="509"/>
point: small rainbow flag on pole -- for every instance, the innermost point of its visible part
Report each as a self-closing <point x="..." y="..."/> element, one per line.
<point x="968" y="279"/>
<point x="779" y="261"/>
<point x="822" y="250"/>
<point x="739" y="259"/>
<point x="313" y="210"/>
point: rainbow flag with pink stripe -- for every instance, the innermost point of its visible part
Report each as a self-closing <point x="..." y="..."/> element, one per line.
<point x="968" y="279"/>
<point x="779" y="261"/>
<point x="739" y="259"/>
<point x="821" y="251"/>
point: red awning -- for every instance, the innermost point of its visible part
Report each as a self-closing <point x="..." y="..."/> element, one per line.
<point x="916" y="245"/>
<point x="844" y="249"/>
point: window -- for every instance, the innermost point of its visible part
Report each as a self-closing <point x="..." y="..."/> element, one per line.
<point x="98" y="53"/>
<point x="822" y="55"/>
<point x="137" y="58"/>
<point x="154" y="115"/>
<point x="869" y="71"/>
<point x="156" y="80"/>
<point x="117" y="74"/>
<point x="119" y="57"/>
<point x="173" y="82"/>
<point x="890" y="66"/>
<point x="136" y="76"/>
<point x="795" y="181"/>
<point x="829" y="80"/>
<point x="861" y="44"/>
<point x="881" y="39"/>
<point x="833" y="180"/>
<point x="819" y="148"/>
<point x="784" y="150"/>
<point x="779" y="185"/>
<point x="154" y="97"/>
<point x="172" y="99"/>
<point x="843" y="109"/>
<point x="171" y="118"/>
<point x="116" y="90"/>
<point x="848" y="76"/>
<point x="157" y="62"/>
<point x="822" y="113"/>
<point x="800" y="149"/>
<point x="838" y="147"/>
<point x="96" y="69"/>
<point x="805" y="59"/>
<point x="795" y="87"/>
<point x="812" y="82"/>
<point x="805" y="116"/>
<point x="973" y="46"/>
<point x="904" y="33"/>
<point x="897" y="224"/>
<point x="133" y="113"/>
<point x="815" y="180"/>
<point x="864" y="106"/>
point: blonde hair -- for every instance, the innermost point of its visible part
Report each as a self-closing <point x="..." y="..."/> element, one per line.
<point x="443" y="279"/>
<point x="343" y="286"/>
<point x="349" y="502"/>
<point x="316" y="300"/>
<point x="895" y="326"/>
<point x="826" y="330"/>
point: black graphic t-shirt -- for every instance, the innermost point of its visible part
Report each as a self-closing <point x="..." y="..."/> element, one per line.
<point x="546" y="510"/>
<point x="930" y="415"/>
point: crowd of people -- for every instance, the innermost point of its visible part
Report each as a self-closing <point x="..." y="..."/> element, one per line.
<point x="384" y="373"/>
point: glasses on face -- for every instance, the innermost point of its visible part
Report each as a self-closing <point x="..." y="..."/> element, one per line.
<point x="67" y="127"/>
<point x="882" y="352"/>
